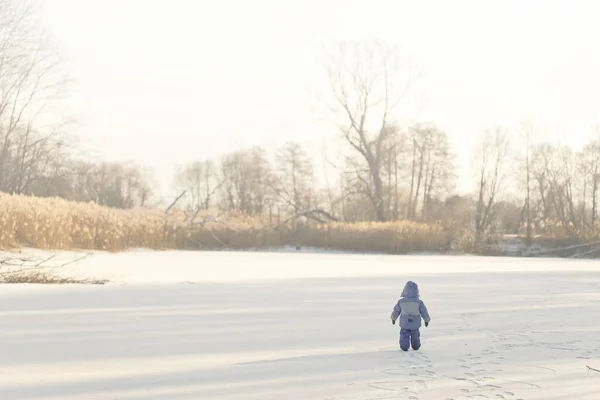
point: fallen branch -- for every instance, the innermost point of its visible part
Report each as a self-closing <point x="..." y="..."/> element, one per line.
<point x="175" y="202"/>
<point x="204" y="224"/>
<point x="14" y="262"/>
<point x="75" y="260"/>
<point x="39" y="277"/>
<point x="194" y="216"/>
<point x="593" y="251"/>
<point x="36" y="274"/>
<point x="325" y="213"/>
<point x="310" y="214"/>
<point x="572" y="247"/>
<point x="217" y="239"/>
<point x="208" y="220"/>
<point x="592" y="369"/>
<point x="46" y="260"/>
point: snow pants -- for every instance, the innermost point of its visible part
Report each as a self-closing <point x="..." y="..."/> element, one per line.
<point x="410" y="338"/>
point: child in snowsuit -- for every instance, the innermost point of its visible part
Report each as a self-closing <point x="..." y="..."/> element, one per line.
<point x="410" y="309"/>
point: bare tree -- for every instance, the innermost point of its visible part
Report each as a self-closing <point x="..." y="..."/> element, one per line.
<point x="333" y="195"/>
<point x="109" y="184"/>
<point x="561" y="169"/>
<point x="431" y="168"/>
<point x="368" y="85"/>
<point x="392" y="174"/>
<point x="247" y="181"/>
<point x="294" y="178"/>
<point x="493" y="163"/>
<point x="30" y="77"/>
<point x="458" y="212"/>
<point x="540" y="164"/>
<point x="527" y="130"/>
<point x="357" y="191"/>
<point x="201" y="182"/>
<point x="591" y="168"/>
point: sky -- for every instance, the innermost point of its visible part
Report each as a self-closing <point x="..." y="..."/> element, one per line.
<point x="161" y="83"/>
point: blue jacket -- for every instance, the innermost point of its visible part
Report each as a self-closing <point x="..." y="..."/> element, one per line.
<point x="410" y="308"/>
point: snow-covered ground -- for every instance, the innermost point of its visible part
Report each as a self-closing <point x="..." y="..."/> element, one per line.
<point x="191" y="325"/>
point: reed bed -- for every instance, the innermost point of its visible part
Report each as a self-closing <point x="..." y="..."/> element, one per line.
<point x="54" y="223"/>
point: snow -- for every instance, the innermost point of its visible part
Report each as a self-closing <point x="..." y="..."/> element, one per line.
<point x="226" y="325"/>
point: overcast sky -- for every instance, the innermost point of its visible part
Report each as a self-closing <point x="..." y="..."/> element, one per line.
<point x="163" y="82"/>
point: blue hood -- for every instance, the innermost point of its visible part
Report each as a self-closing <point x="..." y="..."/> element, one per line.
<point x="411" y="290"/>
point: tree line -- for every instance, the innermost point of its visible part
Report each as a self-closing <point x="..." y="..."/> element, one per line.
<point x="417" y="178"/>
<point x="392" y="170"/>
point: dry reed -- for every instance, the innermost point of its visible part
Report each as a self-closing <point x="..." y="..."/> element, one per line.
<point x="53" y="223"/>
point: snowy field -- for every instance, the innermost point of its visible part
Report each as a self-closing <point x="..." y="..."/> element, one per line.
<point x="302" y="326"/>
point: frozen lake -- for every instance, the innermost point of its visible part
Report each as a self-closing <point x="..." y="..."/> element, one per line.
<point x="302" y="326"/>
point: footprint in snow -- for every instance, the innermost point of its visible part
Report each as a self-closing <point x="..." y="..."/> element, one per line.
<point x="492" y="387"/>
<point x="422" y="383"/>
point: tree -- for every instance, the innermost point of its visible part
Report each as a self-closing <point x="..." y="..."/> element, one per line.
<point x="200" y="181"/>
<point x="368" y="85"/>
<point x="392" y="171"/>
<point x="30" y="76"/>
<point x="561" y="171"/>
<point x="431" y="168"/>
<point x="247" y="181"/>
<point x="109" y="184"/>
<point x="493" y="163"/>
<point x="294" y="173"/>
<point x="458" y="211"/>
<point x="540" y="161"/>
<point x="591" y="168"/>
<point x="553" y="169"/>
<point x="357" y="191"/>
<point x="526" y="129"/>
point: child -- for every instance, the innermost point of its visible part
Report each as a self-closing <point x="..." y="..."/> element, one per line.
<point x="410" y="309"/>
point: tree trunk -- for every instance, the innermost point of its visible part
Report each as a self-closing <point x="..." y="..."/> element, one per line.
<point x="378" y="198"/>
<point x="594" y="198"/>
<point x="412" y="181"/>
<point x="418" y="189"/>
<point x="479" y="211"/>
<point x="529" y="233"/>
